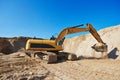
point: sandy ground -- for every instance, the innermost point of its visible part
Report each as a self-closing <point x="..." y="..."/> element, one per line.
<point x="18" y="66"/>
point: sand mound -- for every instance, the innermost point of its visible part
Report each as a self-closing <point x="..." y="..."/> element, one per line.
<point x="4" y="46"/>
<point x="81" y="45"/>
<point x="10" y="45"/>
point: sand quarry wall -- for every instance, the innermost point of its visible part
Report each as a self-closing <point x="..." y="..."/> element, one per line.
<point x="81" y="45"/>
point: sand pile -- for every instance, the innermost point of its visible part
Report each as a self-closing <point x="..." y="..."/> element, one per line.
<point x="81" y="45"/>
<point x="10" y="45"/>
<point x="4" y="46"/>
<point x="15" y="44"/>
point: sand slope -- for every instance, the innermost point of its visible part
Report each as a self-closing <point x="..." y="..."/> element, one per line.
<point x="81" y="45"/>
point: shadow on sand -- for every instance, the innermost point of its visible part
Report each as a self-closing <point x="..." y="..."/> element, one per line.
<point x="113" y="54"/>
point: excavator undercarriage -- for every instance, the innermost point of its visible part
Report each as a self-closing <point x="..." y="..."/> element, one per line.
<point x="51" y="57"/>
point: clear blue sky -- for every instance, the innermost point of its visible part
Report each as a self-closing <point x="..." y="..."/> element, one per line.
<point x="43" y="18"/>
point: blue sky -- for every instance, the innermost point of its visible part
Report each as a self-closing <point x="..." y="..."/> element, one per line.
<point x="43" y="18"/>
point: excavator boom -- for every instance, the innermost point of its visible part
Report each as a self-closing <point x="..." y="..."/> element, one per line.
<point x="69" y="31"/>
<point x="75" y="29"/>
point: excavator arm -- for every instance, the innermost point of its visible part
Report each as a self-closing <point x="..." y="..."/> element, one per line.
<point x="75" y="29"/>
<point x="69" y="30"/>
<point x="94" y="33"/>
<point x="99" y="47"/>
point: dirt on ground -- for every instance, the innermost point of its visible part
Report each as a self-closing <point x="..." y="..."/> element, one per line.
<point x="18" y="66"/>
<point x="15" y="64"/>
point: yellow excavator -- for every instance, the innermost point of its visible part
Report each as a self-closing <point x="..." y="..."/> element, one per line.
<point x="50" y="49"/>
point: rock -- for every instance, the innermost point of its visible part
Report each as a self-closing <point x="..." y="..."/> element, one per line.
<point x="72" y="57"/>
<point x="1" y="54"/>
<point x="21" y="54"/>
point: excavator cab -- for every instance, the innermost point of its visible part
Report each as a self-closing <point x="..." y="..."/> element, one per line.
<point x="52" y="37"/>
<point x="60" y="42"/>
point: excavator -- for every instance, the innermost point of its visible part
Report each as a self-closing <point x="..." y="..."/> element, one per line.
<point x="49" y="50"/>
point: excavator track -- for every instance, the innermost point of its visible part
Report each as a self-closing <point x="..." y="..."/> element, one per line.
<point x="51" y="57"/>
<point x="66" y="56"/>
<point x="48" y="57"/>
